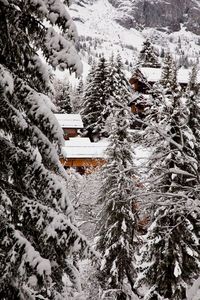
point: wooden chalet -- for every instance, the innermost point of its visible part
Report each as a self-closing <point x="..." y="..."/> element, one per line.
<point x="82" y="154"/>
<point x="70" y="123"/>
<point x="144" y="78"/>
<point x="138" y="103"/>
<point x="139" y="82"/>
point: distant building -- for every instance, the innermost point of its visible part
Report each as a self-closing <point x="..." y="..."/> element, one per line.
<point x="144" y="78"/>
<point x="70" y="123"/>
<point x="79" y="152"/>
<point x="82" y="154"/>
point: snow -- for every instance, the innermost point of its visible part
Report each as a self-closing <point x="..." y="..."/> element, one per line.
<point x="83" y="148"/>
<point x="32" y="256"/>
<point x="77" y="141"/>
<point x="194" y="292"/>
<point x="41" y="108"/>
<point x="189" y="251"/>
<point x="44" y="267"/>
<point x="69" y="120"/>
<point x="101" y="22"/>
<point x="124" y="228"/>
<point x="177" y="270"/>
<point x="141" y="156"/>
<point x="5" y="2"/>
<point x="6" y="80"/>
<point x="33" y="281"/>
<point x="97" y="20"/>
<point x="154" y="75"/>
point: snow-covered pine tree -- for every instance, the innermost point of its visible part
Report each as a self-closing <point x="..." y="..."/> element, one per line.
<point x="123" y="87"/>
<point x="170" y="258"/>
<point x="193" y="103"/>
<point x="168" y="75"/>
<point x="118" y="217"/>
<point x="78" y="97"/>
<point x="63" y="97"/>
<point x="94" y="100"/>
<point x="148" y="56"/>
<point x="88" y="112"/>
<point x="117" y="87"/>
<point x="167" y="85"/>
<point x="37" y="234"/>
<point x="192" y="84"/>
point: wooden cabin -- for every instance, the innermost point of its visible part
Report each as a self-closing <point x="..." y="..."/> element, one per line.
<point x="144" y="78"/>
<point x="138" y="103"/>
<point x="83" y="155"/>
<point x="70" y="123"/>
<point x="139" y="82"/>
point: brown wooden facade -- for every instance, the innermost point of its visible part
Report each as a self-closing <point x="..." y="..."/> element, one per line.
<point x="83" y="165"/>
<point x="139" y="83"/>
<point x="70" y="132"/>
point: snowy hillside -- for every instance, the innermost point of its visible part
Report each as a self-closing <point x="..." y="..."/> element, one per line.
<point x="100" y="32"/>
<point x="98" y="21"/>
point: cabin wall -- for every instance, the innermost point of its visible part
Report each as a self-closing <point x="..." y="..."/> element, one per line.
<point x="70" y="132"/>
<point x="135" y="85"/>
<point x="134" y="109"/>
<point x="83" y="165"/>
<point x="137" y="109"/>
<point x="82" y="162"/>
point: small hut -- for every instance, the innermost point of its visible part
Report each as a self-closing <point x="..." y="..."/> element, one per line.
<point x="70" y="123"/>
<point x="82" y="154"/>
<point x="144" y="78"/>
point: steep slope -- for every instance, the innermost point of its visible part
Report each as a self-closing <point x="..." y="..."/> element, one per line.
<point x="161" y="14"/>
<point x="96" y="19"/>
<point x="121" y="26"/>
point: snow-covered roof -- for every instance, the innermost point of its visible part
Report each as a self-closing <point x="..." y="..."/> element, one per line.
<point x="138" y="97"/>
<point x="151" y="74"/>
<point x="154" y="75"/>
<point x="77" y="141"/>
<point x="69" y="120"/>
<point x="84" y="148"/>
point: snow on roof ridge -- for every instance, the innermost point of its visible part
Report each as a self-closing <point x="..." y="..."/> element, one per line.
<point x="154" y="74"/>
<point x="85" y="149"/>
<point x="69" y="120"/>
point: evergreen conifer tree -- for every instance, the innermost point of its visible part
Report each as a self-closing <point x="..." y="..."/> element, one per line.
<point x="38" y="239"/>
<point x="94" y="100"/>
<point x="118" y="218"/>
<point x="78" y="97"/>
<point x="63" y="98"/>
<point x="193" y="105"/>
<point x="170" y="257"/>
<point x="192" y="85"/>
<point x="147" y="56"/>
<point x="168" y="75"/>
<point x="123" y="87"/>
<point x="117" y="87"/>
<point x="105" y="82"/>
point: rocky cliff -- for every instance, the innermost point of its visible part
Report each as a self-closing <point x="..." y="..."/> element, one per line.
<point x="160" y="14"/>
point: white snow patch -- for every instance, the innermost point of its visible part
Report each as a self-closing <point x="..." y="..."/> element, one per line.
<point x="177" y="270"/>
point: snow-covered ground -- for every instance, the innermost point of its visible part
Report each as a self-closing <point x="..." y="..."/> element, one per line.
<point x="100" y="33"/>
<point x="98" y="21"/>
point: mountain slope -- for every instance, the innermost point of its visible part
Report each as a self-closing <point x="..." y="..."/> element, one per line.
<point x="161" y="14"/>
<point x="97" y="20"/>
<point x="115" y="26"/>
